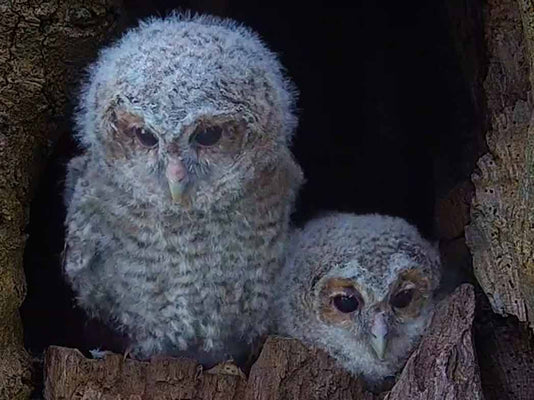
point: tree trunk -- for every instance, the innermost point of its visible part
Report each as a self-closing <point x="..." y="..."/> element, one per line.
<point x="501" y="233"/>
<point x="444" y="366"/>
<point x="42" y="49"/>
<point x="499" y="74"/>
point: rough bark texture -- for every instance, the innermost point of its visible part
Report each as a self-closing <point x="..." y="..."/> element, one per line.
<point x="501" y="232"/>
<point x="69" y="375"/>
<point x="42" y="47"/>
<point x="444" y="366"/>
<point x="504" y="346"/>
<point x="285" y="370"/>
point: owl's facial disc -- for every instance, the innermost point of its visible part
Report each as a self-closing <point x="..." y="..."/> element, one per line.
<point x="176" y="174"/>
<point x="403" y="304"/>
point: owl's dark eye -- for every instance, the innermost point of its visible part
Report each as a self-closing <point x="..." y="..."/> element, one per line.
<point x="402" y="299"/>
<point x="207" y="137"/>
<point x="146" y="138"/>
<point x="346" y="304"/>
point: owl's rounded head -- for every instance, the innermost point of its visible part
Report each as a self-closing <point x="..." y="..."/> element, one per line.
<point x="361" y="287"/>
<point x="187" y="107"/>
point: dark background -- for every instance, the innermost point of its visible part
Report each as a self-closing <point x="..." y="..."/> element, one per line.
<point x="385" y="116"/>
<point x="385" y="126"/>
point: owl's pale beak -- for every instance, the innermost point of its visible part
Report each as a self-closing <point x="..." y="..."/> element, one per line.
<point x="177" y="177"/>
<point x="378" y="335"/>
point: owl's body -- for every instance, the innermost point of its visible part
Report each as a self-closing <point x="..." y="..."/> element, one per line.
<point x="178" y="211"/>
<point x="360" y="288"/>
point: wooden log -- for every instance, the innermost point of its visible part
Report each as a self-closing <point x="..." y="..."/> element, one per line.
<point x="69" y="375"/>
<point x="286" y="369"/>
<point x="443" y="365"/>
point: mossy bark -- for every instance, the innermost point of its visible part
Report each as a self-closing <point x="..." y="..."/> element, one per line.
<point x="43" y="47"/>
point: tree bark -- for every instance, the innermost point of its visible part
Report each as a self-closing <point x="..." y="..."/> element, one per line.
<point x="69" y="375"/>
<point x="43" y="46"/>
<point x="286" y="369"/>
<point x="501" y="233"/>
<point x="443" y="367"/>
<point x="495" y="53"/>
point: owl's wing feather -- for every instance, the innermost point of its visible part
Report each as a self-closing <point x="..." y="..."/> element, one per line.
<point x="77" y="256"/>
<point x="79" y="251"/>
<point x="81" y="261"/>
<point x="75" y="169"/>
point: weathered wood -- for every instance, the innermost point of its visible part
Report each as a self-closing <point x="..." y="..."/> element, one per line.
<point x="69" y="375"/>
<point x="43" y="45"/>
<point x="504" y="346"/>
<point x="444" y="365"/>
<point x="286" y="369"/>
<point x="501" y="233"/>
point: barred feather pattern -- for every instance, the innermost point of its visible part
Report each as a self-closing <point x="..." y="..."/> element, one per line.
<point x="192" y="277"/>
<point x="180" y="279"/>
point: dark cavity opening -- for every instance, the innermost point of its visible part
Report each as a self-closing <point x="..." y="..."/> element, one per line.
<point x="387" y="124"/>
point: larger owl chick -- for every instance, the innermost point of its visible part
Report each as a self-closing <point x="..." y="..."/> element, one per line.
<point x="360" y="288"/>
<point x="178" y="210"/>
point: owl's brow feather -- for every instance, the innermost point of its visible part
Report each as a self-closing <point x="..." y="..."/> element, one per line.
<point x="126" y="120"/>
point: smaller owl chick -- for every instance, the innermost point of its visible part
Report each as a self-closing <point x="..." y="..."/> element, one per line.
<point x="360" y="288"/>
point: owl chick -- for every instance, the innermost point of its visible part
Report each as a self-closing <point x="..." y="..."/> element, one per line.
<point x="178" y="210"/>
<point x="360" y="288"/>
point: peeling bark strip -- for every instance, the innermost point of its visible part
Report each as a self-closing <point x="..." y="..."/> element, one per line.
<point x="286" y="369"/>
<point x="69" y="375"/>
<point x="444" y="365"/>
<point x="43" y="46"/>
<point x="501" y="233"/>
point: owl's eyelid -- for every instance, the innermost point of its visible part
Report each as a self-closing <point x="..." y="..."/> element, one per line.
<point x="406" y="285"/>
<point x="348" y="292"/>
<point x="335" y="294"/>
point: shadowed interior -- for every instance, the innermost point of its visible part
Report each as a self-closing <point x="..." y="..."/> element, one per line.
<point x="386" y="125"/>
